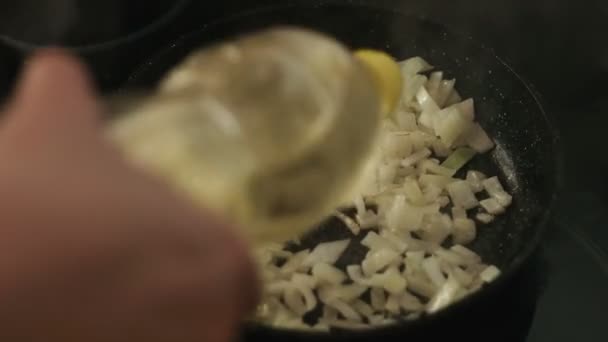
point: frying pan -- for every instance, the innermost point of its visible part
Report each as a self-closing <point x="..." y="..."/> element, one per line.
<point x="526" y="157"/>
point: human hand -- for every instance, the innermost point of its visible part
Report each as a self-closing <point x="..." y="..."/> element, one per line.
<point x="92" y="249"/>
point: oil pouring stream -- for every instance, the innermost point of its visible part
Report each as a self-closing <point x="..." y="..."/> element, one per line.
<point x="271" y="130"/>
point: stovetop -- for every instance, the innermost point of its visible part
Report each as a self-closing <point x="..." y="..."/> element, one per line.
<point x="559" y="46"/>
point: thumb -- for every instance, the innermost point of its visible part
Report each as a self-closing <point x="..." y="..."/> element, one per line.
<point x="54" y="98"/>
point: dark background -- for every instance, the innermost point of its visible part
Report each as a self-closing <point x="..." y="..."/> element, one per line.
<point x="560" y="46"/>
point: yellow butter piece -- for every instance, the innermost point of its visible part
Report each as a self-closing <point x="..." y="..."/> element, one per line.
<point x="386" y="74"/>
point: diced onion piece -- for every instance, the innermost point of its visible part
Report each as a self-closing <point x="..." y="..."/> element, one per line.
<point x="295" y="301"/>
<point x="392" y="304"/>
<point x="363" y="308"/>
<point x="440" y="149"/>
<point x="413" y="192"/>
<point x="432" y="193"/>
<point x="436" y="228"/>
<point x="462" y="276"/>
<point x="428" y="166"/>
<point x="411" y="303"/>
<point x="404" y="217"/>
<point x="478" y="139"/>
<point x="458" y="159"/>
<point x="392" y="281"/>
<point x="444" y="91"/>
<point x="375" y="242"/>
<point x="378" y="260"/>
<point x="438" y="180"/>
<point x="495" y="190"/>
<point x="464" y="231"/>
<point x="398" y="242"/>
<point x="345" y="310"/>
<point x="466" y="108"/>
<point x="426" y="101"/>
<point x="458" y="213"/>
<point x="474" y="178"/>
<point x="412" y="86"/>
<point x="420" y="286"/>
<point x="414" y="66"/>
<point x="296" y="263"/>
<point x="406" y="121"/>
<point x="377" y="298"/>
<point x="416" y="157"/>
<point x="427" y="119"/>
<point x="433" y="84"/>
<point x="348" y="222"/>
<point x="327" y="274"/>
<point x="346" y="293"/>
<point x="445" y="296"/>
<point x="466" y="253"/>
<point x="489" y="274"/>
<point x="431" y="269"/>
<point x="462" y="195"/>
<point x="367" y="220"/>
<point x="485" y="218"/>
<point x="451" y="125"/>
<point x="492" y="206"/>
<point x="397" y="146"/>
<point x="450" y="257"/>
<point x="454" y="98"/>
<point x="328" y="252"/>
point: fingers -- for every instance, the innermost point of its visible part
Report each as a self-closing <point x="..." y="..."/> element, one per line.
<point x="53" y="95"/>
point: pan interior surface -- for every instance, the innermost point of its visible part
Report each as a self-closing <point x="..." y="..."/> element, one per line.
<point x="525" y="158"/>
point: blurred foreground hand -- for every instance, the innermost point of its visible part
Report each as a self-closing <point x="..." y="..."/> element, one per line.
<point x="92" y="249"/>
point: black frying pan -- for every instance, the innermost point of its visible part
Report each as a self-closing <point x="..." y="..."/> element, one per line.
<point x="525" y="159"/>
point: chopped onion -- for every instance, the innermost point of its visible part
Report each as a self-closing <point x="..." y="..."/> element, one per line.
<point x="392" y="304"/>
<point x="438" y="180"/>
<point x="377" y="298"/>
<point x="327" y="274"/>
<point x="431" y="269"/>
<point x="462" y="195"/>
<point x="466" y="253"/>
<point x="495" y="189"/>
<point x="416" y="157"/>
<point x="296" y="263"/>
<point x="454" y="98"/>
<point x="466" y="108"/>
<point x="433" y="84"/>
<point x="378" y="260"/>
<point x="444" y="91"/>
<point x="445" y="296"/>
<point x="415" y="249"/>
<point x="458" y="159"/>
<point x="485" y="218"/>
<point x="409" y="302"/>
<point x="492" y="206"/>
<point x="414" y="66"/>
<point x="406" y="121"/>
<point x="474" y="178"/>
<point x="478" y="139"/>
<point x="346" y="293"/>
<point x="363" y="308"/>
<point x="420" y="286"/>
<point x="345" y="310"/>
<point x="426" y="101"/>
<point x="375" y="242"/>
<point x="328" y="252"/>
<point x="450" y="125"/>
<point x="464" y="231"/>
<point x="348" y="222"/>
<point x="489" y="274"/>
